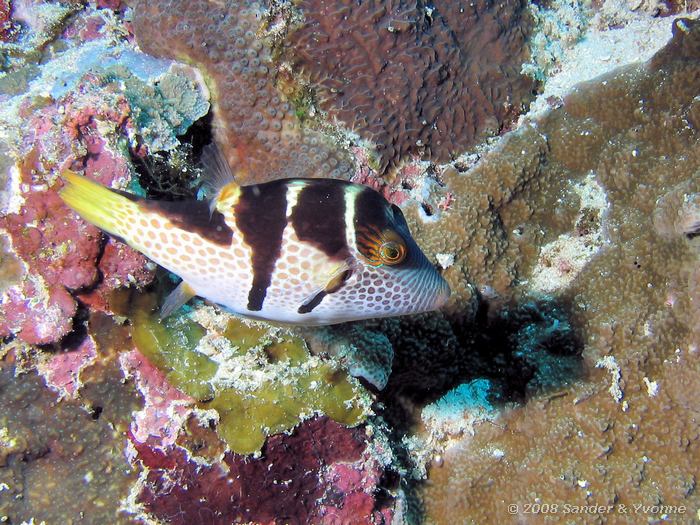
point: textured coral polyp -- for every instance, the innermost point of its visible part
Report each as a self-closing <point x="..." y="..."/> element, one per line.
<point x="255" y="125"/>
<point x="634" y="305"/>
<point x="417" y="77"/>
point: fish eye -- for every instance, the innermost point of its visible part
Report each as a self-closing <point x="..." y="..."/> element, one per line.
<point x="380" y="247"/>
<point x="392" y="252"/>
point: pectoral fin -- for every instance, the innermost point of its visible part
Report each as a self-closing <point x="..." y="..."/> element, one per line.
<point x="178" y="297"/>
<point x="333" y="283"/>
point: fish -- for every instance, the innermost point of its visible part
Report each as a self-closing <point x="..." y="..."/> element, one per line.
<point x="298" y="251"/>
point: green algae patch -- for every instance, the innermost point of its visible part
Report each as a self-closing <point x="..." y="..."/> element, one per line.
<point x="170" y="345"/>
<point x="246" y="418"/>
<point x="260" y="380"/>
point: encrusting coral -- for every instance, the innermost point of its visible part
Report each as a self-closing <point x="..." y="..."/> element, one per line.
<point x="416" y="77"/>
<point x="259" y="383"/>
<point x="633" y="304"/>
<point x="63" y="459"/>
<point x="255" y="125"/>
<point x="388" y="71"/>
<point x="571" y="247"/>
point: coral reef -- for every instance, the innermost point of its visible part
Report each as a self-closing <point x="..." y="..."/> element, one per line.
<point x="258" y="383"/>
<point x="633" y="305"/>
<point x="321" y="473"/>
<point x="86" y="106"/>
<point x="255" y="123"/>
<point x="415" y="77"/>
<point x="565" y="359"/>
<point x="63" y="461"/>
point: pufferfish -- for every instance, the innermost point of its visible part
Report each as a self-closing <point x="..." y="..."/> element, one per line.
<point x="293" y="251"/>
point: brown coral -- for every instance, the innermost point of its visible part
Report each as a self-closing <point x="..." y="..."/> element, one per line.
<point x="62" y="461"/>
<point x="633" y="304"/>
<point x="417" y="77"/>
<point x="255" y="125"/>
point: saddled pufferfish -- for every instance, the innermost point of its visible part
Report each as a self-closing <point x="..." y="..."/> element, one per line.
<point x="298" y="251"/>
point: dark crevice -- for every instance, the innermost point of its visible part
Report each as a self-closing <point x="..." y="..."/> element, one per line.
<point x="174" y="175"/>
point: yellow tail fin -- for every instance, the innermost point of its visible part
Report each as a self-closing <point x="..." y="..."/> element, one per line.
<point x="98" y="204"/>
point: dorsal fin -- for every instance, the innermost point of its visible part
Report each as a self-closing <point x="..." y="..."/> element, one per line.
<point x="216" y="173"/>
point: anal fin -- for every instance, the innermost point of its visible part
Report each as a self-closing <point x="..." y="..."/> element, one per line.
<point x="177" y="298"/>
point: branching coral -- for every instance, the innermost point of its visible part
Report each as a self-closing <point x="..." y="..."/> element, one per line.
<point x="417" y="77"/>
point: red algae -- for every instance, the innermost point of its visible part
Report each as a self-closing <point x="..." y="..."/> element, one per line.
<point x="285" y="485"/>
<point x="61" y="370"/>
<point x="165" y="408"/>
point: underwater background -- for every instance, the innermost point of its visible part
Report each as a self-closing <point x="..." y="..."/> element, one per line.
<point x="546" y="156"/>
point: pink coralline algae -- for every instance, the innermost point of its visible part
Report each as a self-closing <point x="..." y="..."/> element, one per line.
<point x="61" y="370"/>
<point x="321" y="473"/>
<point x="61" y="251"/>
<point x="114" y="5"/>
<point x="165" y="408"/>
<point x="119" y="266"/>
<point x="80" y="116"/>
<point x="351" y="498"/>
<point x="35" y="313"/>
<point x="397" y="189"/>
<point x="8" y="28"/>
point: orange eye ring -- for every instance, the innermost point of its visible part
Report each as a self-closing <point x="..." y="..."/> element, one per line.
<point x="380" y="247"/>
<point x="392" y="252"/>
